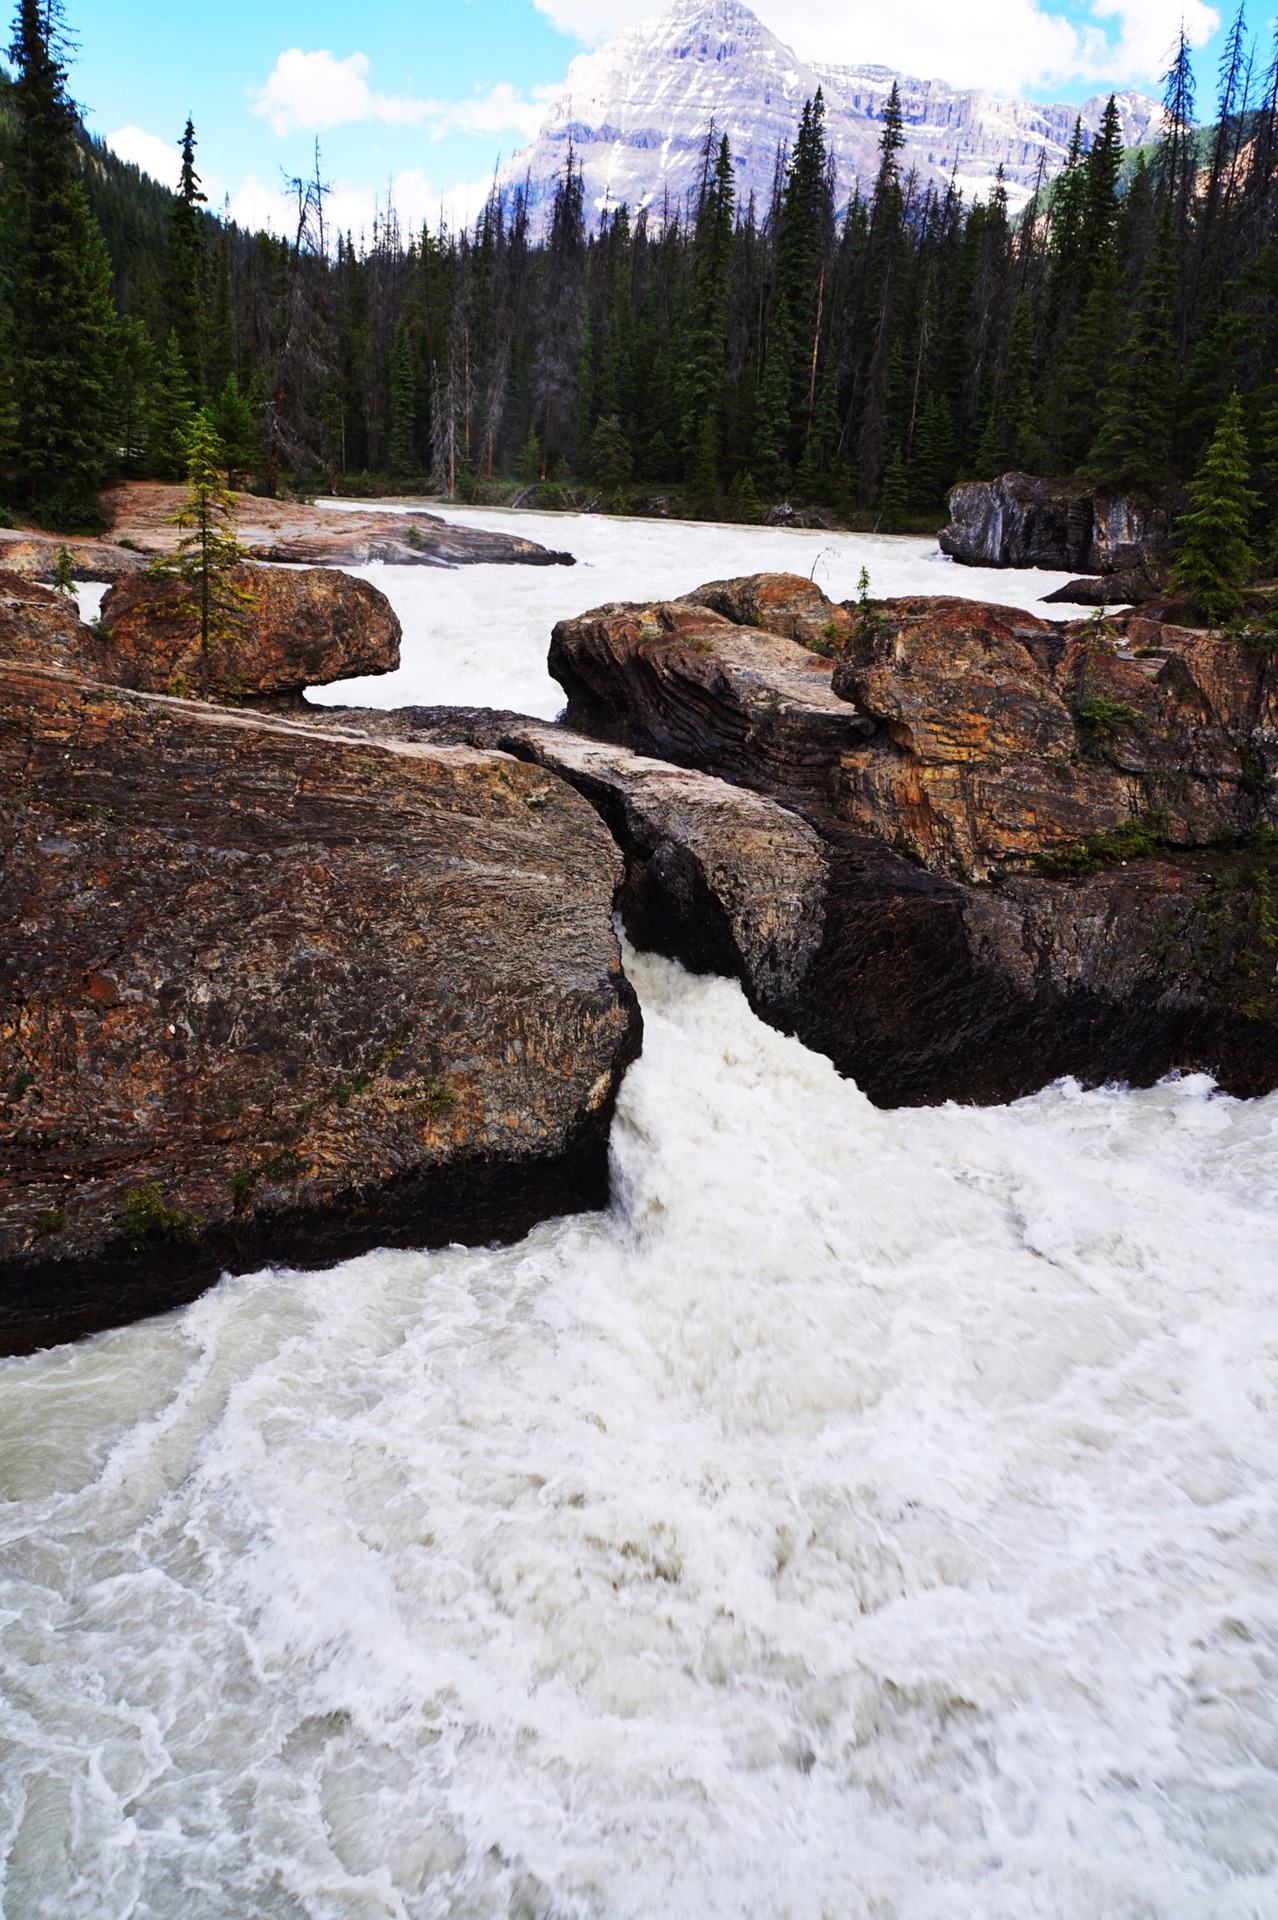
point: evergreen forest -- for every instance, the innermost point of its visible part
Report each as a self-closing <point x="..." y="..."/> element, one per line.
<point x="858" y="352"/>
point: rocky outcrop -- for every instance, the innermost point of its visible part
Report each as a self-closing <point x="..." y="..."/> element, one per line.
<point x="276" y="994"/>
<point x="1001" y="739"/>
<point x="1021" y="520"/>
<point x="715" y="876"/>
<point x="35" y="556"/>
<point x="978" y="741"/>
<point x="37" y="625"/>
<point x="784" y="603"/>
<point x="400" y="540"/>
<point x="680" y="682"/>
<point x="1130" y="587"/>
<point x="291" y="629"/>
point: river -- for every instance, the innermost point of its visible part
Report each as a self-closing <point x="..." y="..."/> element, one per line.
<point x="870" y="1515"/>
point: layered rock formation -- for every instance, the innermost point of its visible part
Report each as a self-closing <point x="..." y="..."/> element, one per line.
<point x="715" y="875"/>
<point x="278" y="994"/>
<point x="400" y="540"/>
<point x="290" y="629"/>
<point x="976" y="741"/>
<point x="1021" y="520"/>
<point x="288" y="531"/>
<point x="37" y="625"/>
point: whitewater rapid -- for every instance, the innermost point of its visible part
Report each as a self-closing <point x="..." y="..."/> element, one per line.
<point x="870" y="1517"/>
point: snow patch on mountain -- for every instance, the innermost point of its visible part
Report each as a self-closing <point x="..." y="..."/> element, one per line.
<point x="636" y="112"/>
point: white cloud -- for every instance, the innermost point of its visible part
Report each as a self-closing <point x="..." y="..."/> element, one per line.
<point x="311" y="92"/>
<point x="159" y="158"/>
<point x="1007" y="46"/>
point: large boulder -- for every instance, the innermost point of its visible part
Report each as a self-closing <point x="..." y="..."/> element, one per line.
<point x="716" y="876"/>
<point x="784" y="603"/>
<point x="37" y="625"/>
<point x="1022" y="520"/>
<point x="277" y="994"/>
<point x="293" y="628"/>
<point x="398" y="540"/>
<point x="683" y="683"/>
<point x="979" y="938"/>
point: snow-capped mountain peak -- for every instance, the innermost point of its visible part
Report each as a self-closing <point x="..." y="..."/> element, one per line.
<point x="637" y="111"/>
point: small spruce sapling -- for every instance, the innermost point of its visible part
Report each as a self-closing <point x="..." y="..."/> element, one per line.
<point x="217" y="607"/>
<point x="63" y="573"/>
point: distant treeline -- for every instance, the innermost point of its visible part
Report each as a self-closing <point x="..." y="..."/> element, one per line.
<point x="860" y="356"/>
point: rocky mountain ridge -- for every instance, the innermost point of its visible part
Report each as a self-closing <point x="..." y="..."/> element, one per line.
<point x="636" y="111"/>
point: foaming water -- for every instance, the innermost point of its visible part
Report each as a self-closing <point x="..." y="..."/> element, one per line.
<point x="871" y="1515"/>
<point x="478" y="636"/>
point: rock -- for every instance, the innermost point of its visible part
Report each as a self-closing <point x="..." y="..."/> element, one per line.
<point x="980" y="739"/>
<point x="783" y="603"/>
<point x="300" y="628"/>
<point x="402" y="540"/>
<point x="37" y="626"/>
<point x="278" y="995"/>
<point x="716" y="876"/>
<point x="1020" y="520"/>
<point x="682" y="683"/>
<point x="1128" y="588"/>
<point x="784" y="515"/>
<point x="35" y="556"/>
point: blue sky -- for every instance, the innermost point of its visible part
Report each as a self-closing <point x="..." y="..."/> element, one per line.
<point x="426" y="95"/>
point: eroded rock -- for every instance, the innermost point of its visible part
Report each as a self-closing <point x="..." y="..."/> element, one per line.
<point x="680" y="682"/>
<point x="38" y="626"/>
<point x="716" y="876"/>
<point x="272" y="993"/>
<point x="1022" y="520"/>
<point x="983" y="739"/>
<point x="294" y="628"/>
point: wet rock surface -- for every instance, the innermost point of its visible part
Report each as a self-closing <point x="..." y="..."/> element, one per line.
<point x="1022" y="520"/>
<point x="37" y="625"/>
<point x="681" y="682"/>
<point x="716" y="876"/>
<point x="414" y="539"/>
<point x="293" y="628"/>
<point x="980" y="739"/>
<point x="276" y="994"/>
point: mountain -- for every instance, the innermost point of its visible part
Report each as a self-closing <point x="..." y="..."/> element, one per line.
<point x="636" y="113"/>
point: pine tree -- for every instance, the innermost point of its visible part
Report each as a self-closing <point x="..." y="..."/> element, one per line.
<point x="221" y="356"/>
<point x="401" y="449"/>
<point x="171" y="414"/>
<point x="61" y="322"/>
<point x="186" y="269"/>
<point x="215" y="606"/>
<point x="1214" y="554"/>
<point x="892" y="495"/>
<point x="235" y="427"/>
<point x="1011" y="440"/>
<point x="1134" y="445"/>
<point x="611" y="458"/>
<point x="136" y="379"/>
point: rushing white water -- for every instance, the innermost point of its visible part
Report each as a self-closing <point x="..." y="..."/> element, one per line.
<point x="478" y="636"/>
<point x="870" y="1517"/>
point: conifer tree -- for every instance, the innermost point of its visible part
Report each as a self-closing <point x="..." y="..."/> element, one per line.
<point x="1134" y="445"/>
<point x="233" y="422"/>
<point x="216" y="606"/>
<point x="401" y="449"/>
<point x="1214" y="553"/>
<point x="136" y="378"/>
<point x="171" y="414"/>
<point x="892" y="495"/>
<point x="186" y="269"/>
<point x="61" y="321"/>
<point x="221" y="356"/>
